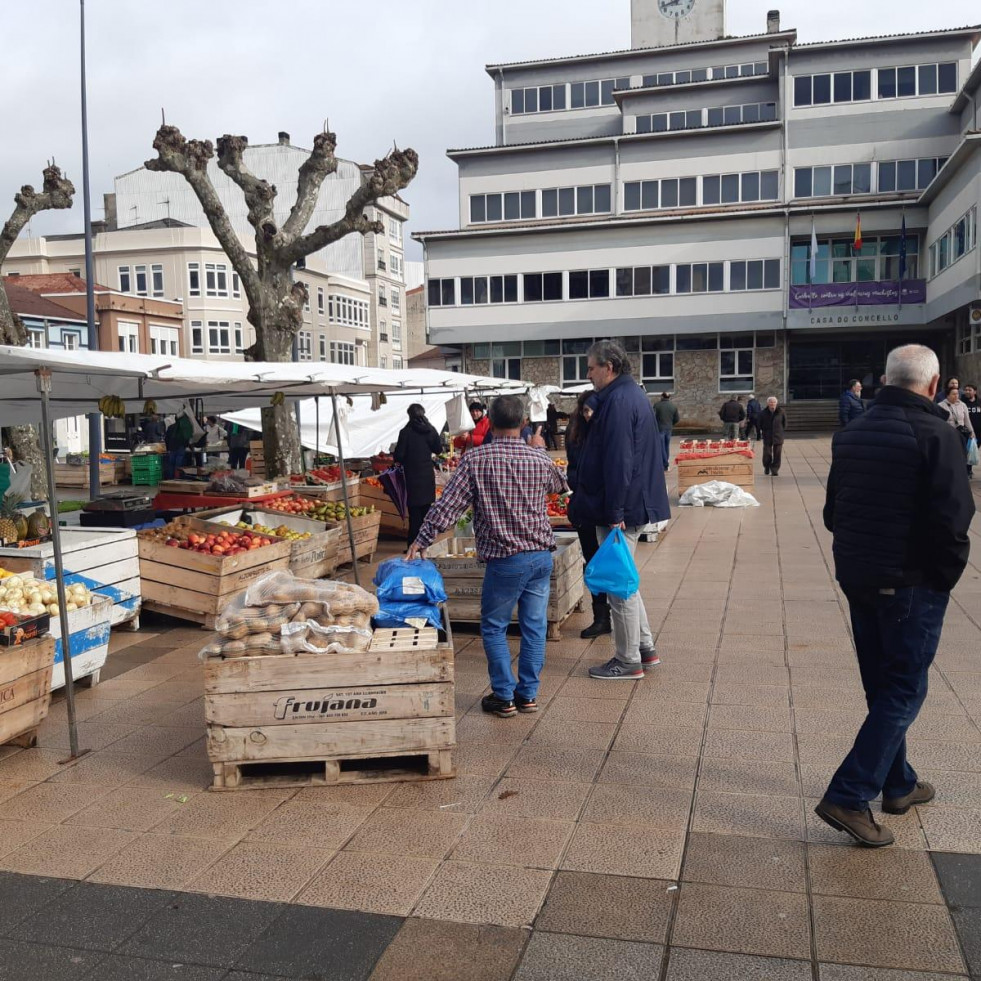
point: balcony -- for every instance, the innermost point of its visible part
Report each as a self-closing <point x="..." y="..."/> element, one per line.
<point x="381" y="265"/>
<point x="383" y="338"/>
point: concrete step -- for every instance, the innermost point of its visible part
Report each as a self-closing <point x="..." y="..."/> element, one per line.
<point x="812" y="415"/>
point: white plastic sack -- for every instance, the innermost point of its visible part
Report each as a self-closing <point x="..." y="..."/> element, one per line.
<point x="458" y="417"/>
<point x="538" y="403"/>
<point x="717" y="494"/>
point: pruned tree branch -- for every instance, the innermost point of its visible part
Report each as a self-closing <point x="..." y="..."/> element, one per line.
<point x="313" y="172"/>
<point x="57" y="194"/>
<point x="259" y="194"/>
<point x="189" y="158"/>
<point x="389" y="177"/>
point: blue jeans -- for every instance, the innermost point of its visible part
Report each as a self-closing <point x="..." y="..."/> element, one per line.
<point x="173" y="461"/>
<point x="521" y="579"/>
<point x="896" y="638"/>
<point x="666" y="441"/>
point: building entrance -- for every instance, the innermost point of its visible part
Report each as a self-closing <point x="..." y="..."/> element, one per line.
<point x="820" y="369"/>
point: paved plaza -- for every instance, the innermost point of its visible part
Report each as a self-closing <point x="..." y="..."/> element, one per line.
<point x="660" y="829"/>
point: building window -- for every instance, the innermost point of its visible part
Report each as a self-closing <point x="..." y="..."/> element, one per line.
<point x="503" y="368"/>
<point x="586" y="199"/>
<point x="197" y="337"/>
<point x="383" y="362"/>
<point x="541" y="287"/>
<point x="396" y="296"/>
<point x="37" y="338"/>
<point x="125" y="279"/>
<point x="342" y="352"/>
<point x="699" y="277"/>
<point x="540" y="98"/>
<point x="129" y="337"/>
<point x="836" y="262"/>
<point x="599" y="92"/>
<point x="323" y="347"/>
<point x="381" y="262"/>
<point x="837" y="180"/>
<point x="736" y="363"/>
<point x="382" y="297"/>
<point x="216" y="279"/>
<point x="394" y="231"/>
<point x="164" y="340"/>
<point x="908" y="175"/>
<point x="397" y="363"/>
<point x="506" y="206"/>
<point x="643" y="280"/>
<point x="396" y="334"/>
<point x="956" y="242"/>
<point x="157" y="280"/>
<point x="589" y="284"/>
<point x="239" y="339"/>
<point x="193" y="279"/>
<point x="754" y="274"/>
<point x="219" y="337"/>
<point x="236" y="286"/>
<point x="912" y="80"/>
<point x="442" y="292"/>
<point x="320" y="300"/>
<point x="347" y="311"/>
<point x="304" y="346"/>
<point x="661" y="122"/>
<point x="672" y="192"/>
<point x="574" y="360"/>
<point x="656" y="355"/>
<point x="689" y="75"/>
<point x="815" y="90"/>
<point x="383" y="331"/>
<point x="735" y="188"/>
<point x="70" y="340"/>
<point x="396" y="264"/>
<point x="141" y="281"/>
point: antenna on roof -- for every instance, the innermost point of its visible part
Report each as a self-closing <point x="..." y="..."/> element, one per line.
<point x="163" y="117"/>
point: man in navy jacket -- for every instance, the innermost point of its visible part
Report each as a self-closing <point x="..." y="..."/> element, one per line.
<point x="621" y="485"/>
<point x="850" y="403"/>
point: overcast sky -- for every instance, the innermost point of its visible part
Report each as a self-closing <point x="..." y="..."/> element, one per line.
<point x="403" y="70"/>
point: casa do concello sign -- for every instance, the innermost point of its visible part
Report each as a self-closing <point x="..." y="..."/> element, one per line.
<point x="857" y="304"/>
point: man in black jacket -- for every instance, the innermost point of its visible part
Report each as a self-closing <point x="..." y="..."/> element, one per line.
<point x="732" y="414"/>
<point x="899" y="506"/>
<point x="621" y="485"/>
<point x="773" y="424"/>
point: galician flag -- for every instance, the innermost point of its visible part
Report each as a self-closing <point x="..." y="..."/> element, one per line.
<point x="857" y="244"/>
<point x="814" y="252"/>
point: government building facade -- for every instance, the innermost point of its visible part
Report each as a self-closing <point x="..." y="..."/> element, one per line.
<point x="747" y="214"/>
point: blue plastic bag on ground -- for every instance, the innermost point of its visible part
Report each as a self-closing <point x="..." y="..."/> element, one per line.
<point x="399" y="580"/>
<point x="397" y="614"/>
<point x="612" y="569"/>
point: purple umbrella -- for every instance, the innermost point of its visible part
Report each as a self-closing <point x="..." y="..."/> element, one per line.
<point x="393" y="482"/>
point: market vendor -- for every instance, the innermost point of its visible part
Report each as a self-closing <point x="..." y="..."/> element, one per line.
<point x="177" y="438"/>
<point x="481" y="424"/>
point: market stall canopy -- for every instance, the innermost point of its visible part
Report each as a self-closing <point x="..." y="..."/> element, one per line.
<point x="364" y="430"/>
<point x="81" y="378"/>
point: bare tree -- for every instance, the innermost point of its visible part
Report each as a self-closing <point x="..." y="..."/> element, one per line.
<point x="276" y="301"/>
<point x="56" y="194"/>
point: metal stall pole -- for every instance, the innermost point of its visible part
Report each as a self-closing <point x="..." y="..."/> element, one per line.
<point x="347" y="506"/>
<point x="44" y="387"/>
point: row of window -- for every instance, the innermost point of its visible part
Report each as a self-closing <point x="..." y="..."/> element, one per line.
<point x="707" y="74"/>
<point x="841" y="179"/>
<point x="163" y="340"/>
<point x="590" y="284"/>
<point x="752" y="112"/>
<point x="586" y="199"/>
<point x="137" y="279"/>
<point x="878" y="260"/>
<point x="958" y="240"/>
<point x="347" y="311"/>
<point x="891" y="83"/>
<point x="565" y="95"/>
<point x="217" y="337"/>
<point x="968" y="338"/>
<point x="216" y="280"/>
<point x="682" y="192"/>
<point x="37" y="338"/>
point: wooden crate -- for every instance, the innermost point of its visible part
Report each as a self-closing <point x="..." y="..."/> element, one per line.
<point x="105" y="559"/>
<point x="77" y="475"/>
<point x="25" y="690"/>
<point x="332" y="492"/>
<point x="391" y="521"/>
<point x="193" y="586"/>
<point x="365" y="530"/>
<point x="257" y="455"/>
<point x="311" y="558"/>
<point x="198" y="487"/>
<point x="385" y="714"/>
<point x="734" y="468"/>
<point x="463" y="578"/>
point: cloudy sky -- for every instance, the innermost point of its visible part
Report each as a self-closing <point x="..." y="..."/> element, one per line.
<point x="404" y="70"/>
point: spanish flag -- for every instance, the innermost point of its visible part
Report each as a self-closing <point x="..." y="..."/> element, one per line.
<point x="857" y="244"/>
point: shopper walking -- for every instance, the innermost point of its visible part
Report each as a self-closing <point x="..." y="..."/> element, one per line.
<point x="897" y="564"/>
<point x="732" y="414"/>
<point x="418" y="441"/>
<point x="506" y="483"/>
<point x="238" y="446"/>
<point x="667" y="416"/>
<point x="753" y="412"/>
<point x="575" y="437"/>
<point x="621" y="485"/>
<point x="973" y="405"/>
<point x="176" y="440"/>
<point x="850" y="402"/>
<point x="773" y="425"/>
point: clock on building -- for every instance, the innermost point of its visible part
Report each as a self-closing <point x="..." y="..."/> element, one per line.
<point x="675" y="9"/>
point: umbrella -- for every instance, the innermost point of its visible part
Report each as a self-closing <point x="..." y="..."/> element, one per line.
<point x="393" y="483"/>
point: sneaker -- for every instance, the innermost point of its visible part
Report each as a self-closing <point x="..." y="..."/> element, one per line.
<point x="503" y="708"/>
<point x="649" y="658"/>
<point x="859" y="824"/>
<point x="766" y="472"/>
<point x="922" y="793"/>
<point x="526" y="704"/>
<point x="615" y="670"/>
<point x="599" y="626"/>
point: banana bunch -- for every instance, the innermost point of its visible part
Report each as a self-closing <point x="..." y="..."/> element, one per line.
<point x="149" y="408"/>
<point x="278" y="398"/>
<point x="112" y="407"/>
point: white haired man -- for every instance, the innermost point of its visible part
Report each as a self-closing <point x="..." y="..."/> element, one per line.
<point x="899" y="506"/>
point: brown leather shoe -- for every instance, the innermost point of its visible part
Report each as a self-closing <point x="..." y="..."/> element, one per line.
<point x="922" y="793"/>
<point x="859" y="824"/>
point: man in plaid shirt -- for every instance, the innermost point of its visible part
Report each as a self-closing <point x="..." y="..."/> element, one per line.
<point x="506" y="483"/>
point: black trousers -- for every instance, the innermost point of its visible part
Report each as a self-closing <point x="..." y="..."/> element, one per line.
<point x="590" y="546"/>
<point x="236" y="457"/>
<point x="417" y="515"/>
<point x="772" y="455"/>
<point x="753" y="429"/>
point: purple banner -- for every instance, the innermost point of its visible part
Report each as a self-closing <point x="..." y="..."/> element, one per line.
<point x="856" y="294"/>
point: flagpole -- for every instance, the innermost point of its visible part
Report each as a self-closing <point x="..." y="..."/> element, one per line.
<point x="902" y="256"/>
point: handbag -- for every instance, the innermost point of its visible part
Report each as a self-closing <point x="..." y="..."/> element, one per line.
<point x="972" y="452"/>
<point x="612" y="569"/>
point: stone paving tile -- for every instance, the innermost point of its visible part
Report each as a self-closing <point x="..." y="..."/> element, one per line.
<point x="707" y="965"/>
<point x="743" y="744"/>
<point x="618" y="907"/>
<point x="748" y="777"/>
<point x="968" y="924"/>
<point x="960" y="878"/>
<point x="659" y="740"/>
<point x="70" y="853"/>
<point x="161" y="861"/>
<point x="116" y="968"/>
<point x="559" y="957"/>
<point x="21" y="896"/>
<point x="748" y="814"/>
<point x="466" y="952"/>
<point x="650" y="771"/>
<point x="760" y="695"/>
<point x="757" y="863"/>
<point x="423" y="834"/>
<point x="894" y="874"/>
<point x="632" y="805"/>
<point x="743" y="921"/>
<point x="846" y="972"/>
<point x="526" y="842"/>
<point x="27" y="962"/>
<point x="464" y="794"/>
<point x="622" y="850"/>
<point x="297" y="822"/>
<point x="951" y="829"/>
<point x="546" y="762"/>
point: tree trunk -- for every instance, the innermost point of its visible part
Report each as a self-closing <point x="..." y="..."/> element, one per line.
<point x="24" y="442"/>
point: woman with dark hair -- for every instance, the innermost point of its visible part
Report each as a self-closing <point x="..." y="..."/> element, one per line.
<point x="418" y="441"/>
<point x="575" y="436"/>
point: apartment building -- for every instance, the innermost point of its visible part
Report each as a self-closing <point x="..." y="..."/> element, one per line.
<point x="744" y="213"/>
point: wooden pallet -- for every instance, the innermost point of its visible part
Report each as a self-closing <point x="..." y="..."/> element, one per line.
<point x="335" y="772"/>
<point x="25" y="690"/>
<point x="404" y="639"/>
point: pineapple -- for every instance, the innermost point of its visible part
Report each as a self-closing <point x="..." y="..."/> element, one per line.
<point x="8" y="530"/>
<point x="11" y="519"/>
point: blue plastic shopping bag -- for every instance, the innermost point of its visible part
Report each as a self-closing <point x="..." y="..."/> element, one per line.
<point x="612" y="569"/>
<point x="414" y="582"/>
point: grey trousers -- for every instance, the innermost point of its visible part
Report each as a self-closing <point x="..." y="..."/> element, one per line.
<point x="631" y="631"/>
